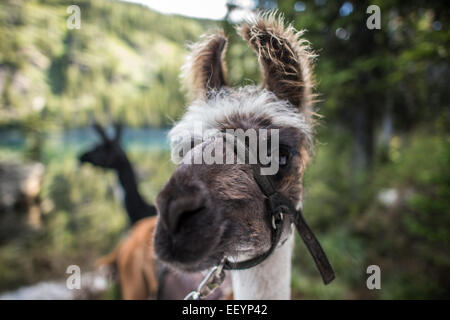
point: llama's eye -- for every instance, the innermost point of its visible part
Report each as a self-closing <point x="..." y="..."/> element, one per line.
<point x="283" y="160"/>
<point x="284" y="156"/>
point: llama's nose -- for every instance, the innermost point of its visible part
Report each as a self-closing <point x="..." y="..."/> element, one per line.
<point x="183" y="208"/>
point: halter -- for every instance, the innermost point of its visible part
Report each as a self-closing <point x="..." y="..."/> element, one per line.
<point x="280" y="208"/>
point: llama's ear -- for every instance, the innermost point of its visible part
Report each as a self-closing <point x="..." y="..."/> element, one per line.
<point x="205" y="70"/>
<point x="101" y="132"/>
<point x="118" y="126"/>
<point x="285" y="59"/>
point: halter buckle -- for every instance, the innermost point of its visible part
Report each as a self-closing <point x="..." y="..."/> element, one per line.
<point x="277" y="218"/>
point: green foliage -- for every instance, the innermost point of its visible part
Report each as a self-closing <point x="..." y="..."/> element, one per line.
<point x="123" y="63"/>
<point x="423" y="216"/>
<point x="82" y="219"/>
<point x="408" y="238"/>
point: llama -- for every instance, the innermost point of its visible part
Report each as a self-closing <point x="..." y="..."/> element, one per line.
<point x="110" y="155"/>
<point x="134" y="262"/>
<point x="220" y="214"/>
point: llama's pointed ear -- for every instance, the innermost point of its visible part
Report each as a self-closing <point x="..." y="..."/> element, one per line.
<point x="205" y="70"/>
<point x="285" y="58"/>
<point x="101" y="132"/>
<point x="118" y="126"/>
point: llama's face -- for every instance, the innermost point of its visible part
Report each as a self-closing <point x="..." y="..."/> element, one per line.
<point x="211" y="211"/>
<point x="108" y="153"/>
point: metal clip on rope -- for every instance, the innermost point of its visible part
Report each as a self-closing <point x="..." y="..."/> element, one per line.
<point x="212" y="281"/>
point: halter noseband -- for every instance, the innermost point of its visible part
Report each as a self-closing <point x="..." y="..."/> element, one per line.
<point x="281" y="207"/>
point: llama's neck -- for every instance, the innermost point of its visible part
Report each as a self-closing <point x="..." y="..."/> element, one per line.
<point x="135" y="205"/>
<point x="269" y="280"/>
<point x="127" y="178"/>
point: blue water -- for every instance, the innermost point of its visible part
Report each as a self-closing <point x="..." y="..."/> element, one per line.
<point x="74" y="141"/>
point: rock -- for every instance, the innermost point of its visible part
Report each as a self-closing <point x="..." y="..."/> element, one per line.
<point x="19" y="183"/>
<point x="19" y="187"/>
<point x="92" y="284"/>
<point x="388" y="197"/>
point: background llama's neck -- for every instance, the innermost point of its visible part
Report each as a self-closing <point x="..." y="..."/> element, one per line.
<point x="270" y="280"/>
<point x="136" y="207"/>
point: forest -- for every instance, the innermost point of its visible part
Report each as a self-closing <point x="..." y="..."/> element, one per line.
<point x="377" y="190"/>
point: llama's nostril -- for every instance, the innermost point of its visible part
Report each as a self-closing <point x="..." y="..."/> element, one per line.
<point x="184" y="217"/>
<point x="184" y="210"/>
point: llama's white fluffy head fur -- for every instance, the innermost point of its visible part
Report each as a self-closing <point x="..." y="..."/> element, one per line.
<point x="245" y="102"/>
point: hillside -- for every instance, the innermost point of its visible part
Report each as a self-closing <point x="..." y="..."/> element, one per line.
<point x="125" y="57"/>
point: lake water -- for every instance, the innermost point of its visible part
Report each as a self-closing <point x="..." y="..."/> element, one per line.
<point x="73" y="141"/>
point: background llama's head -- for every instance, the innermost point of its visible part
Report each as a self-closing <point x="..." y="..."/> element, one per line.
<point x="208" y="211"/>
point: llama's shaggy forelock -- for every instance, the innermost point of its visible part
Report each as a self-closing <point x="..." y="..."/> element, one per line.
<point x="248" y="102"/>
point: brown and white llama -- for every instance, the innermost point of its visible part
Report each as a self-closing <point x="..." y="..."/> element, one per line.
<point x="208" y="212"/>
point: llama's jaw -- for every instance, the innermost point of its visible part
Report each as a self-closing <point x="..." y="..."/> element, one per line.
<point x="197" y="254"/>
<point x="198" y="250"/>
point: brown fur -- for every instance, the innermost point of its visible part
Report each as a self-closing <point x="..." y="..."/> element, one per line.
<point x="206" y="69"/>
<point x="285" y="58"/>
<point x="235" y="212"/>
<point x="135" y="263"/>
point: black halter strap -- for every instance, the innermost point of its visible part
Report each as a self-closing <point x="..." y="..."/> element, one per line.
<point x="279" y="207"/>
